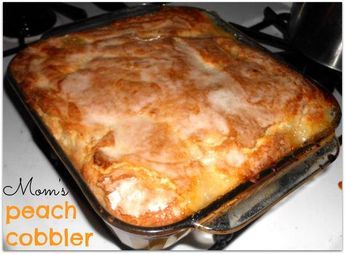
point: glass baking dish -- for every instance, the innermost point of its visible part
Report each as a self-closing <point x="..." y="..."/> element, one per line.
<point x="230" y="212"/>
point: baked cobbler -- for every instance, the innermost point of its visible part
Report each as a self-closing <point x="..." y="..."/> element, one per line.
<point x="164" y="113"/>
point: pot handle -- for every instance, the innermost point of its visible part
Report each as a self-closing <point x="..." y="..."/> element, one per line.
<point x="263" y="195"/>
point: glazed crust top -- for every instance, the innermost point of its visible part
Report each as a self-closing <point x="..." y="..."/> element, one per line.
<point x="166" y="112"/>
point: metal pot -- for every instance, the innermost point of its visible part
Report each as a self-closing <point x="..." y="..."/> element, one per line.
<point x="316" y="30"/>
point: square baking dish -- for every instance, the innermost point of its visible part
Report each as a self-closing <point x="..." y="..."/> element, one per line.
<point x="232" y="211"/>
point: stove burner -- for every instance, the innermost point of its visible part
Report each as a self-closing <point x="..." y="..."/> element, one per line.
<point x="26" y="22"/>
<point x="324" y="76"/>
<point x="279" y="21"/>
<point x="27" y="19"/>
<point x="221" y="241"/>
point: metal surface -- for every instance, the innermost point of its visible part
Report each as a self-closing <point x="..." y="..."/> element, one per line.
<point x="316" y="30"/>
<point x="205" y="219"/>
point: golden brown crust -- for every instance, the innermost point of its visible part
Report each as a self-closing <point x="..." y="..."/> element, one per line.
<point x="164" y="113"/>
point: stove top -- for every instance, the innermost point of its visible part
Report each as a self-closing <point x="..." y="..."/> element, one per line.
<point x="322" y="198"/>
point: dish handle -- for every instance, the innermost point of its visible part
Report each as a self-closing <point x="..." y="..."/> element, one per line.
<point x="246" y="208"/>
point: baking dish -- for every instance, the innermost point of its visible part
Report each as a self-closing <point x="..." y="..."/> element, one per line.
<point x="161" y="237"/>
